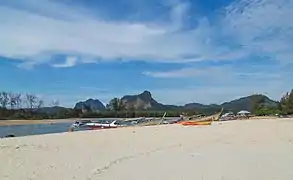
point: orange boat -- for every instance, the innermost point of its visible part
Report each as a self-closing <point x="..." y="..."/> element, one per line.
<point x="196" y="123"/>
<point x="201" y="121"/>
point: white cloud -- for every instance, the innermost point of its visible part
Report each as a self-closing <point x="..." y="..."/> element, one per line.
<point x="261" y="27"/>
<point x="217" y="84"/>
<point x="70" y="62"/>
<point x="223" y="74"/>
<point x="178" y="14"/>
<point x="32" y="29"/>
<point x="27" y="34"/>
<point x="181" y="73"/>
<point x="186" y="72"/>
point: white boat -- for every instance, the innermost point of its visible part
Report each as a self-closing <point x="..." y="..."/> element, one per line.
<point x="134" y="121"/>
<point x="80" y="123"/>
<point x="105" y="124"/>
<point x="99" y="124"/>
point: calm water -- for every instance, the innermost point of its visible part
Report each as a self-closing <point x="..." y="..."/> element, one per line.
<point x="34" y="129"/>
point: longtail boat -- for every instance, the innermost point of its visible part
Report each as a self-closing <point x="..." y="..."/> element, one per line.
<point x="200" y="121"/>
<point x="195" y="123"/>
<point x="99" y="124"/>
<point x="154" y="121"/>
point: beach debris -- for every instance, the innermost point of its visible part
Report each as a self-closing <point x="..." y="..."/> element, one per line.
<point x="70" y="129"/>
<point x="194" y="154"/>
<point x="9" y="136"/>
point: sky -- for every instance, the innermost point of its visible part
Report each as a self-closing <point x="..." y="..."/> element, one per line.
<point x="182" y="51"/>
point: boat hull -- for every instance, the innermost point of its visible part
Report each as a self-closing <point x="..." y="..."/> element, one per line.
<point x="201" y="121"/>
<point x="100" y="127"/>
<point x="196" y="123"/>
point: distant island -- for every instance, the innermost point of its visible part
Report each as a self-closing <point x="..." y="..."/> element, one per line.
<point x="28" y="106"/>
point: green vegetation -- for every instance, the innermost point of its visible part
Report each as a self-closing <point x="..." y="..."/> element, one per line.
<point x="267" y="111"/>
<point x="262" y="107"/>
<point x="286" y="103"/>
<point x="283" y="107"/>
<point x="28" y="106"/>
<point x="128" y="114"/>
<point x="116" y="105"/>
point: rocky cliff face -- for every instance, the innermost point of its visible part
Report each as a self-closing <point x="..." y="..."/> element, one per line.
<point x="90" y="105"/>
<point x="145" y="101"/>
<point x="141" y="101"/>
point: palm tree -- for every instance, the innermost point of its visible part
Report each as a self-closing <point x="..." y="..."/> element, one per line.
<point x="116" y="105"/>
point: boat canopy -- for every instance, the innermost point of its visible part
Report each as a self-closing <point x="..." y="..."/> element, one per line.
<point x="243" y="112"/>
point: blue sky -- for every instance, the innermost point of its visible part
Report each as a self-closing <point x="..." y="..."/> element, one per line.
<point x="181" y="50"/>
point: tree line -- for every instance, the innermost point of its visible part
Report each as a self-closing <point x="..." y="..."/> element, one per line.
<point x="283" y="107"/>
<point x="10" y="100"/>
<point x="116" y="108"/>
<point x="29" y="106"/>
<point x="20" y="106"/>
<point x="259" y="108"/>
<point x="286" y="103"/>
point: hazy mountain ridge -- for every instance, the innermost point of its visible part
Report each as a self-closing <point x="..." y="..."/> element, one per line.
<point x="145" y="101"/>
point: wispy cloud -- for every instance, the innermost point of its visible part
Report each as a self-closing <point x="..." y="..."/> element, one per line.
<point x="70" y="62"/>
<point x="217" y="84"/>
<point x="223" y="73"/>
<point x="256" y="30"/>
<point x="261" y="27"/>
<point x="27" y="33"/>
<point x="33" y="29"/>
<point x="178" y="14"/>
<point x="185" y="72"/>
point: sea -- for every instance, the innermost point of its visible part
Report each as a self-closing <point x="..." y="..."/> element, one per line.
<point x="37" y="129"/>
<point x="33" y="129"/>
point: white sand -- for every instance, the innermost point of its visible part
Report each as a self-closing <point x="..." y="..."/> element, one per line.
<point x="239" y="150"/>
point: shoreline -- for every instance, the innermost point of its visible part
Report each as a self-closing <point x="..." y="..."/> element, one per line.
<point x="31" y="122"/>
<point x="228" y="150"/>
<point x="43" y="121"/>
<point x="51" y="121"/>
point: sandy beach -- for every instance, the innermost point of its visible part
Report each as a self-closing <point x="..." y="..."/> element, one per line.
<point x="236" y="150"/>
